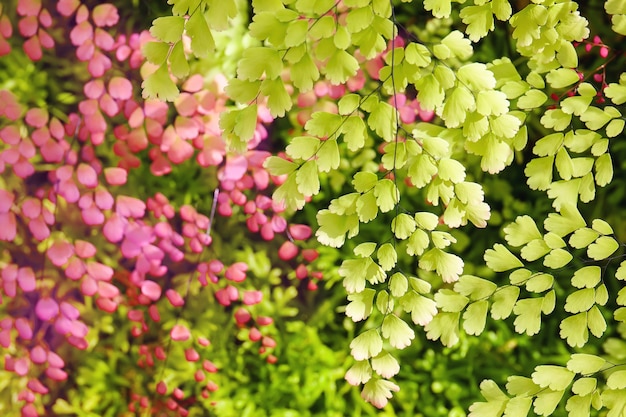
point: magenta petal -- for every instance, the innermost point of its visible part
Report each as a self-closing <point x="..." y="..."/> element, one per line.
<point x="130" y="207"/>
<point x="46" y="308"/>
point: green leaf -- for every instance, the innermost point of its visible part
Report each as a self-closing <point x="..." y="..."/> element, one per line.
<point x="257" y="61"/>
<point x="583" y="237"/>
<point x="585" y="364"/>
<point x="562" y="77"/>
<point x="460" y="46"/>
<point x="521" y="386"/>
<point x="539" y="283"/>
<point x="445" y="327"/>
<point x="602" y="248"/>
<point x="479" y="21"/>
<point x="566" y="222"/>
<point x="595" y="118"/>
<point x="450" y="301"/>
<point x="328" y="156"/>
<point x="366" y="345"/>
<point x="278" y="99"/>
<point x="382" y="120"/>
<point x="340" y="66"/>
<point x="547" y="401"/>
<point x="617" y="380"/>
<point x="522" y="231"/>
<point x="302" y="147"/>
<point x="500" y="259"/>
<point x="518" y="407"/>
<point x="155" y="52"/>
<point x="596" y="322"/>
<point x="447" y="265"/>
<point x="460" y="101"/>
<point x="360" y="306"/>
<point x="354" y="133"/>
<point x="307" y="178"/>
<point x="366" y="207"/>
<point x="556" y="119"/>
<point x="520" y="276"/>
<point x="557" y="378"/>
<point x="504" y="300"/>
<point x="288" y="192"/>
<point x="580" y="300"/>
<point x="403" y="226"/>
<point x="475" y="317"/>
<point x="578" y="406"/>
<point x="387" y="256"/>
<point x="604" y="170"/>
<point x="422" y="309"/>
<point x="574" y="329"/>
<point x="159" y="85"/>
<point x="279" y="166"/>
<point x="474" y="287"/>
<point x="557" y="258"/>
<point x="584" y="386"/>
<point x="528" y="312"/>
<point x="616" y="92"/>
<point x="539" y="173"/>
<point x="417" y="54"/>
<point x="418" y="242"/>
<point x="168" y="29"/>
<point x="397" y="331"/>
<point x="531" y="100"/>
<point x="398" y="284"/>
<point x="202" y="42"/>
<point x="387" y="195"/>
<point x="587" y="277"/>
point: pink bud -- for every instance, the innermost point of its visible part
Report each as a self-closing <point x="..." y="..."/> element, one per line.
<point x="252" y="297"/>
<point x="56" y="374"/>
<point x="161" y="388"/>
<point x="180" y="333"/>
<point x="254" y="335"/>
<point x="24" y="330"/>
<point x="264" y="321"/>
<point x="174" y="298"/>
<point x="191" y="355"/>
<point x="300" y="231"/>
<point x="287" y="251"/>
<point x="115" y="176"/>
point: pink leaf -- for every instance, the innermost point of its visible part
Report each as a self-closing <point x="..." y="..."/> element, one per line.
<point x="103" y="199"/>
<point x="113" y="229"/>
<point x="180" y="151"/>
<point x="38" y="355"/>
<point x="75" y="269"/>
<point x="92" y="216"/>
<point x="23" y="328"/>
<point x="5" y="338"/>
<point x="180" y="333"/>
<point x="99" y="271"/>
<point x="56" y="374"/>
<point x="67" y="7"/>
<point x="252" y="297"/>
<point x="89" y="286"/>
<point x="287" y="251"/>
<point x="84" y="249"/>
<point x="31" y="207"/>
<point x="104" y="40"/>
<point x="81" y="33"/>
<point x="26" y="279"/>
<point x="21" y="367"/>
<point x="6" y="200"/>
<point x="120" y="88"/>
<point x="234" y="169"/>
<point x="107" y="290"/>
<point x="28" y="7"/>
<point x="115" y="176"/>
<point x="36" y="386"/>
<point x="151" y="289"/>
<point x="236" y="272"/>
<point x="105" y="15"/>
<point x="130" y="207"/>
<point x="69" y="311"/>
<point x="45" y="39"/>
<point x="28" y="26"/>
<point x="46" y="309"/>
<point x="59" y="253"/>
<point x="108" y="105"/>
<point x="37" y="117"/>
<point x="10" y="135"/>
<point x="87" y="175"/>
<point x="300" y="231"/>
<point x="98" y="64"/>
<point x="94" y="89"/>
<point x="174" y="298"/>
